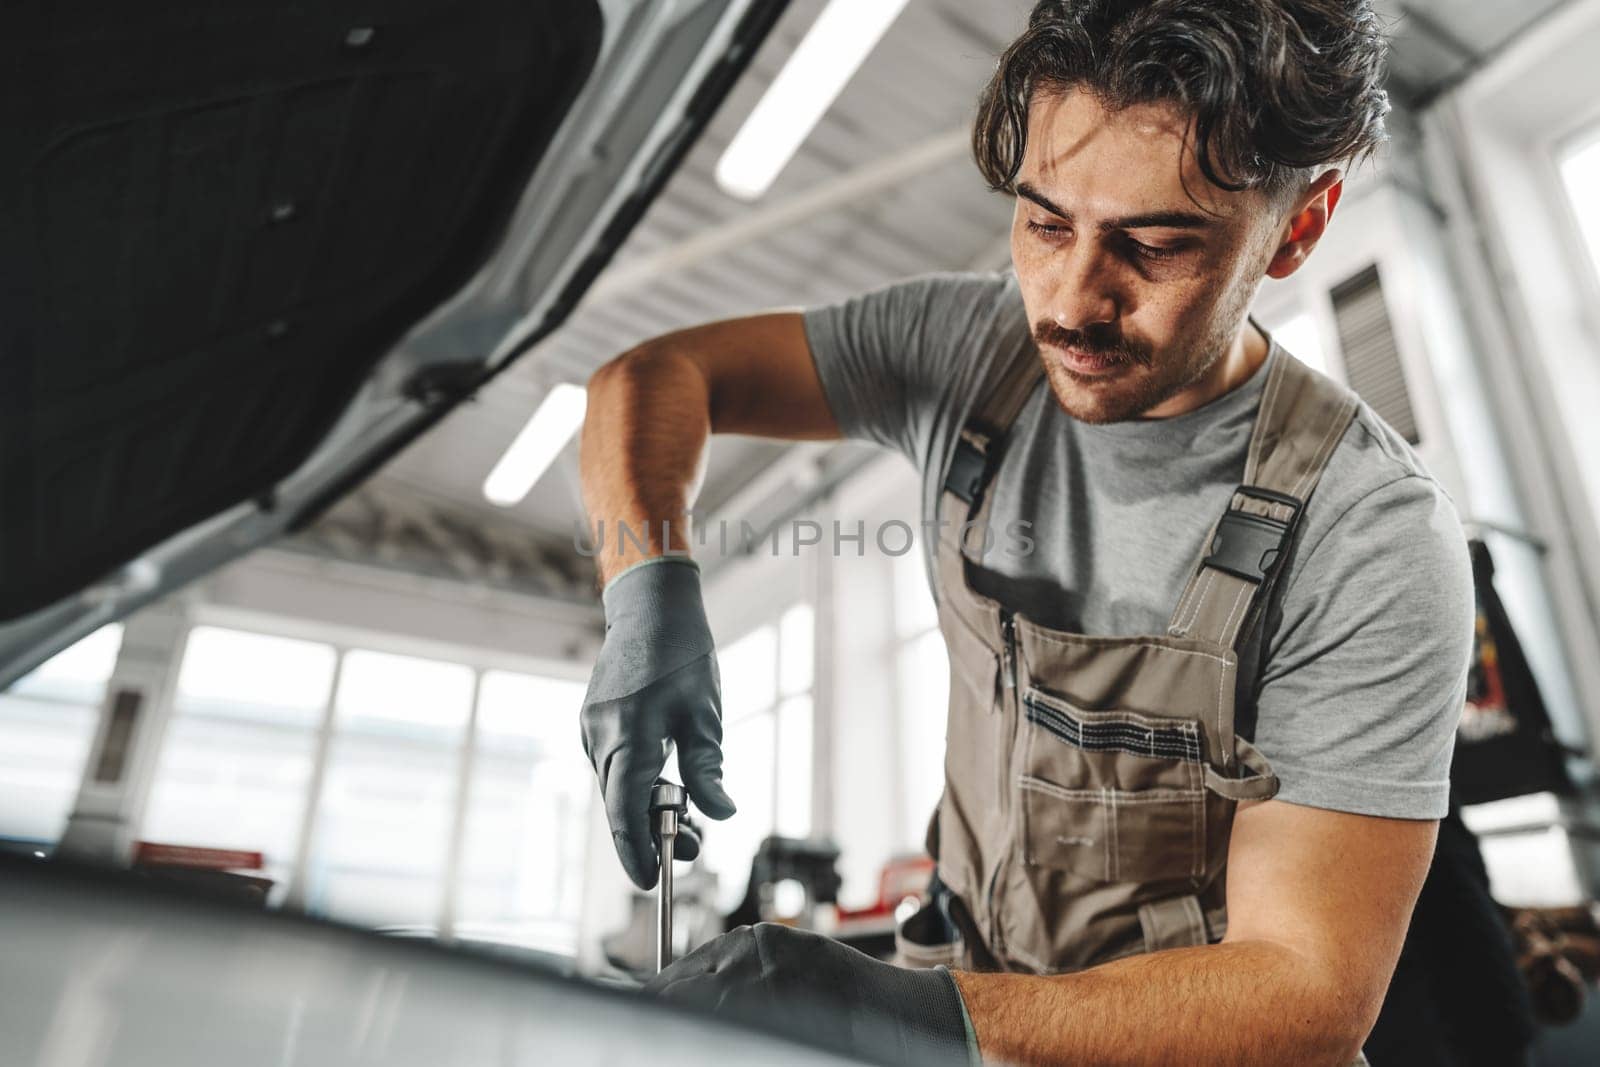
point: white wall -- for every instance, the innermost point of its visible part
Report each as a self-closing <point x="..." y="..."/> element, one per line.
<point x="345" y="603"/>
<point x="1529" y="293"/>
<point x="1401" y="217"/>
<point x="868" y="772"/>
<point x="859" y="794"/>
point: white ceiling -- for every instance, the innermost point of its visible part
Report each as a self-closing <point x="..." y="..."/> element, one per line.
<point x="883" y="189"/>
<point x="1436" y="42"/>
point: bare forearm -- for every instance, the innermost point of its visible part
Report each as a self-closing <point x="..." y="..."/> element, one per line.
<point x="1242" y="1003"/>
<point x="641" y="453"/>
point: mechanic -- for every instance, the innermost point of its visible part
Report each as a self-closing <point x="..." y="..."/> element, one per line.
<point x="1199" y="736"/>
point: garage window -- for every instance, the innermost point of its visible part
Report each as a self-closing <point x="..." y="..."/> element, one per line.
<point x="529" y="794"/>
<point x="1580" y="173"/>
<point x="384" y="819"/>
<point x="47" y="724"/>
<point x="424" y="795"/>
<point x="767" y="760"/>
<point x="922" y="691"/>
<point x="1302" y="338"/>
<point x="237" y="759"/>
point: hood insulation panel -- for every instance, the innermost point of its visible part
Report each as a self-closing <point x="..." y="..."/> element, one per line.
<point x="215" y="218"/>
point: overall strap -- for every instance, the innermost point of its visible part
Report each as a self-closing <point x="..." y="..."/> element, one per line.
<point x="963" y="496"/>
<point x="1303" y="418"/>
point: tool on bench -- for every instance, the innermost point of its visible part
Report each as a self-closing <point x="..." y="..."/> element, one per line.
<point x="669" y="804"/>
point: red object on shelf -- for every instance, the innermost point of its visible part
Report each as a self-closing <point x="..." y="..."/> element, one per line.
<point x="902" y="877"/>
<point x="153" y="854"/>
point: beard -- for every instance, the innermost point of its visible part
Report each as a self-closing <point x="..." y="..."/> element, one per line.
<point x="1135" y="376"/>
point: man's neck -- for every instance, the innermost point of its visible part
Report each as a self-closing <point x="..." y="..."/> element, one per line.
<point x="1242" y="359"/>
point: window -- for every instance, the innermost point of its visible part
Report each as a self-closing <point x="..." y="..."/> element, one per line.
<point x="922" y="690"/>
<point x="47" y="725"/>
<point x="384" y="823"/>
<point x="236" y="762"/>
<point x="796" y="663"/>
<point x="404" y="759"/>
<point x="1303" y="340"/>
<point x="767" y="756"/>
<point x="1580" y="173"/>
<point x="527" y="818"/>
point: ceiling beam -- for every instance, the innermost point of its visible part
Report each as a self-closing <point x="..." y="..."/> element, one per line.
<point x="876" y="177"/>
<point x="1440" y="34"/>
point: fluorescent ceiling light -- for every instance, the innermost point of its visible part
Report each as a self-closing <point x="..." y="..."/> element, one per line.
<point x="839" y="42"/>
<point x="537" y="446"/>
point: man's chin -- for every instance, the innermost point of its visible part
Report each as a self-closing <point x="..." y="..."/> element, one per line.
<point x="1100" y="399"/>
<point x="1093" y="414"/>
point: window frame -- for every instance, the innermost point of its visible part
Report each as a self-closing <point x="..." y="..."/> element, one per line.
<point x="773" y="619"/>
<point x="89" y="709"/>
<point x="343" y="641"/>
<point x="1558" y="147"/>
<point x="897" y="650"/>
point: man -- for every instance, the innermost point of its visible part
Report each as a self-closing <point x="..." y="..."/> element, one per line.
<point x="1199" y="736"/>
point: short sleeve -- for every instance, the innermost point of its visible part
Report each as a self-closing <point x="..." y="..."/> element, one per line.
<point x="1365" y="680"/>
<point x="893" y="361"/>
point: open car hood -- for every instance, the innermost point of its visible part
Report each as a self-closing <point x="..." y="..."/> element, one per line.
<point x="252" y="250"/>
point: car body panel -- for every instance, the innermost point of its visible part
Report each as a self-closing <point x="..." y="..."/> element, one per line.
<point x="102" y="968"/>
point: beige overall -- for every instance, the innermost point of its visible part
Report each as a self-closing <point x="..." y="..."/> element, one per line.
<point x="1090" y="782"/>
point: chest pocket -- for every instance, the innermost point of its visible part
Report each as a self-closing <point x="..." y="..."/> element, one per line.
<point x="1111" y="796"/>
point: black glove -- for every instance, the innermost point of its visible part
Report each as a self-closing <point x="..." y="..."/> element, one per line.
<point x="823" y="993"/>
<point x="655" y="682"/>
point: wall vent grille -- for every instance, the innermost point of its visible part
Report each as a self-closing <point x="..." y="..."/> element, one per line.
<point x="1371" y="357"/>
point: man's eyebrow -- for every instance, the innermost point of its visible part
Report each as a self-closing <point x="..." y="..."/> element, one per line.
<point x="1029" y="192"/>
<point x="1167" y="220"/>
<point x="1171" y="220"/>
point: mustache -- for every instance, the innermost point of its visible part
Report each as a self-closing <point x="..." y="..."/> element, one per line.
<point x="1099" y="339"/>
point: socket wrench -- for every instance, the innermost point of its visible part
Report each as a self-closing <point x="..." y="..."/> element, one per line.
<point x="669" y="805"/>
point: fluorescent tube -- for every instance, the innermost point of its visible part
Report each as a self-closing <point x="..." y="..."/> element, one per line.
<point x="823" y="63"/>
<point x="537" y="446"/>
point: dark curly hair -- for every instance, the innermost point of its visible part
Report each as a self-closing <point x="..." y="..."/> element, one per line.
<point x="1275" y="87"/>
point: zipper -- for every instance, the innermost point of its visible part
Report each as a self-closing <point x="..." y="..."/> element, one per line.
<point x="1008" y="632"/>
<point x="1003" y="756"/>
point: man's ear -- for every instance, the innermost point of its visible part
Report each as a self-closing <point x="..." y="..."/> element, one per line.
<point x="1306" y="224"/>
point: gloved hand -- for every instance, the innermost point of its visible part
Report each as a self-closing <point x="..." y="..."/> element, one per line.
<point x="823" y="993"/>
<point x="655" y="682"/>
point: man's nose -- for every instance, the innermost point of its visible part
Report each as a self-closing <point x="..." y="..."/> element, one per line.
<point x="1083" y="294"/>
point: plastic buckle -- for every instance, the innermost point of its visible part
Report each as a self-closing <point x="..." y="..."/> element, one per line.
<point x="967" y="466"/>
<point x="1251" y="546"/>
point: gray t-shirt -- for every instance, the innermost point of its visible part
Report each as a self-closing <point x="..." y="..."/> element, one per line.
<point x="1364" y="675"/>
